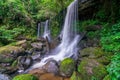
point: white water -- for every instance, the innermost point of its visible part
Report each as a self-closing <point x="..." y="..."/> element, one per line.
<point x="46" y="30"/>
<point x="43" y="30"/>
<point x="70" y="39"/>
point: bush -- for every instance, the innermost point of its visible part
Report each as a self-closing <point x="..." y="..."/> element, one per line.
<point x="111" y="42"/>
<point x="8" y="35"/>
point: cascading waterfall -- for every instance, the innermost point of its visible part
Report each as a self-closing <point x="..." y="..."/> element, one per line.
<point x="43" y="30"/>
<point x="46" y="30"/>
<point x="70" y="39"/>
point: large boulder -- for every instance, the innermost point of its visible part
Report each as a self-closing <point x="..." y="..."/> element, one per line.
<point x="9" y="53"/>
<point x="25" y="77"/>
<point x="91" y="69"/>
<point x="51" y="67"/>
<point x="67" y="66"/>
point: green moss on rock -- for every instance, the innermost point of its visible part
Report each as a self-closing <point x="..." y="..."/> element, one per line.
<point x="89" y="68"/>
<point x="5" y="53"/>
<point x="75" y="76"/>
<point x="25" y="77"/>
<point x="92" y="52"/>
<point x="67" y="67"/>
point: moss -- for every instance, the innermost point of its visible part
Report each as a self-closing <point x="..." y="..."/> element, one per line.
<point x="67" y="66"/>
<point x="14" y="64"/>
<point x="92" y="52"/>
<point x="25" y="77"/>
<point x="8" y="49"/>
<point x="75" y="76"/>
<point x="5" y="53"/>
<point x="107" y="77"/>
<point x="89" y="68"/>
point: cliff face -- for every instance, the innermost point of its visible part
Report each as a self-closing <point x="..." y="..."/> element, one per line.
<point x="87" y="8"/>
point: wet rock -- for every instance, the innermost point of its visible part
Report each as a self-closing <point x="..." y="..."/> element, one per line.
<point x="37" y="46"/>
<point x="36" y="56"/>
<point x="51" y="66"/>
<point x="5" y="77"/>
<point x="24" y="62"/>
<point x="67" y="66"/>
<point x="43" y="75"/>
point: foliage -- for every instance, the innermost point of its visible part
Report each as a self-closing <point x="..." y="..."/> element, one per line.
<point x="7" y="35"/>
<point x="114" y="67"/>
<point x="84" y="24"/>
<point x="111" y="42"/>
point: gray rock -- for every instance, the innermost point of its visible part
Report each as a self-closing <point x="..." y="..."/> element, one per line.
<point x="51" y="66"/>
<point x="5" y="77"/>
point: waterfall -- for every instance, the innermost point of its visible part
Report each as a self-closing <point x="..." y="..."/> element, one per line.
<point x="43" y="30"/>
<point x="70" y="39"/>
<point x="46" y="30"/>
<point x="38" y="30"/>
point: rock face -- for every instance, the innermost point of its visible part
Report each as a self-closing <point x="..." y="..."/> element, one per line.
<point x="87" y="8"/>
<point x="67" y="66"/>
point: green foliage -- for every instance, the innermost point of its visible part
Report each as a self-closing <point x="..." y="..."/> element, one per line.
<point x="111" y="42"/>
<point x="25" y="77"/>
<point x="84" y="24"/>
<point x="114" y="67"/>
<point x="8" y="35"/>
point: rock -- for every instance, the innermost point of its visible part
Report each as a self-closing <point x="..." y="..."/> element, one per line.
<point x="5" y="77"/>
<point x="24" y="62"/>
<point x="37" y="46"/>
<point x="87" y="8"/>
<point x="91" y="52"/>
<point x="43" y="75"/>
<point x="67" y="66"/>
<point x="9" y="53"/>
<point x="93" y="28"/>
<point x="89" y="68"/>
<point x="96" y="53"/>
<point x="36" y="56"/>
<point x="25" y="77"/>
<point x="51" y="66"/>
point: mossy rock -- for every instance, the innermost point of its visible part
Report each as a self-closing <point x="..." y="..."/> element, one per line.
<point x="6" y="53"/>
<point x="89" y="68"/>
<point x="92" y="52"/>
<point x="67" y="67"/>
<point x="25" y="77"/>
<point x="75" y="76"/>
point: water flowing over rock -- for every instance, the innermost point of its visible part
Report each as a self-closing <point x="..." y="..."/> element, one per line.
<point x="43" y="30"/>
<point x="70" y="39"/>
